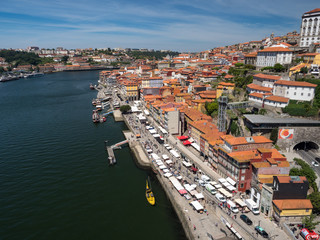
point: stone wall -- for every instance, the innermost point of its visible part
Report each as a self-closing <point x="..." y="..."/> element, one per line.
<point x="300" y="134"/>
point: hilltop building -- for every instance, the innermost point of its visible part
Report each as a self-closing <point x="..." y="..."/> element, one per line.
<point x="310" y="28"/>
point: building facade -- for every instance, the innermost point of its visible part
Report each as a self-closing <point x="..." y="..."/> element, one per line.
<point x="310" y="28"/>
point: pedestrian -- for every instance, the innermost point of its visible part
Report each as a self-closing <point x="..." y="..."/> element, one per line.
<point x="189" y="219"/>
<point x="194" y="227"/>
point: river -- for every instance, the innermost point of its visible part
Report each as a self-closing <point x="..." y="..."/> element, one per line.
<point x="55" y="182"/>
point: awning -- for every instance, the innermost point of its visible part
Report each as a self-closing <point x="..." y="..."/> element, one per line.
<point x="217" y="186"/>
<point x="168" y="174"/>
<point x="182" y="191"/>
<point x="226" y="184"/>
<point x="199" y="196"/>
<point x="231" y="188"/>
<point x="197" y="205"/>
<point x="182" y="137"/>
<point x="196" y="146"/>
<point x="165" y="157"/>
<point x="222" y="180"/>
<point x="163" y="130"/>
<point x="169" y="161"/>
<point x="162" y="166"/>
<point x="186" y="143"/>
<point x="165" y="170"/>
<point x="191" y="140"/>
<point x="231" y="181"/>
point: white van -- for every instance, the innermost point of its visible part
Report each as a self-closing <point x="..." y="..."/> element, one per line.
<point x="220" y="197"/>
<point x="232" y="206"/>
<point x="252" y="206"/>
<point x="211" y="189"/>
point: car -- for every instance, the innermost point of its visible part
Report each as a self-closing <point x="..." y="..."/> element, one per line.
<point x="221" y="198"/>
<point x="261" y="231"/>
<point x="317" y="159"/>
<point x="314" y="163"/>
<point x="246" y="219"/>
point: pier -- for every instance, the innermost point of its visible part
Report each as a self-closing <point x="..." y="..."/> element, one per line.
<point x="112" y="158"/>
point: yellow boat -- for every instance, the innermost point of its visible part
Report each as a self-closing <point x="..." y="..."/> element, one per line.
<point x="149" y="195"/>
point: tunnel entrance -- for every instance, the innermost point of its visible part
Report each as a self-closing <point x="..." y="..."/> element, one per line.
<point x="307" y="145"/>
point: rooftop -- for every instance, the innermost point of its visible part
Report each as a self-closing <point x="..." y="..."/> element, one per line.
<point x="260" y="119"/>
<point x="290" y="204"/>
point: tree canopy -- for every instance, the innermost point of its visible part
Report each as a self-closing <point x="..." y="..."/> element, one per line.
<point x="17" y="58"/>
<point x="125" y="108"/>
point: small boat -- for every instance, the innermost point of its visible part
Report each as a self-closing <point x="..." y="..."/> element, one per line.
<point x="149" y="194"/>
<point x="91" y="86"/>
<point x="95" y="116"/>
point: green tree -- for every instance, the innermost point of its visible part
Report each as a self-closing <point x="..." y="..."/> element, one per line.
<point x="274" y="135"/>
<point x="238" y="65"/>
<point x="125" y="108"/>
<point x="64" y="59"/>
<point x="304" y="70"/>
<point x="315" y="200"/>
<point x="262" y="111"/>
<point x="211" y="107"/>
<point x="278" y="67"/>
<point x="309" y="222"/>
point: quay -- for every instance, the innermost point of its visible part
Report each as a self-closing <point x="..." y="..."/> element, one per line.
<point x="112" y="158"/>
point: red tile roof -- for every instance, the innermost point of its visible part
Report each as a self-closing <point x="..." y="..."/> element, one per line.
<point x="275" y="49"/>
<point x="291" y="204"/>
<point x="266" y="76"/>
<point x="277" y="99"/>
<point x="259" y="88"/>
<point x="287" y="179"/>
<point x="314" y="11"/>
<point x="295" y="83"/>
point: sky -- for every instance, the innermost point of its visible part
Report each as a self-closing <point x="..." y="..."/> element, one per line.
<point x="177" y="25"/>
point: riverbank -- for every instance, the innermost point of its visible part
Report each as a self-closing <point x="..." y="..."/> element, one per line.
<point x="143" y="161"/>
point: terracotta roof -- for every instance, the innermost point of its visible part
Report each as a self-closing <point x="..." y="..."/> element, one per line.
<point x="287" y="179"/>
<point x="272" y="77"/>
<point x="243" y="140"/>
<point x="255" y="94"/>
<point x="275" y="49"/>
<point x="288" y="204"/>
<point x="259" y="88"/>
<point x="314" y="11"/>
<point x="243" y="156"/>
<point x="253" y="54"/>
<point x="227" y="84"/>
<point x="295" y="83"/>
<point x="277" y="99"/>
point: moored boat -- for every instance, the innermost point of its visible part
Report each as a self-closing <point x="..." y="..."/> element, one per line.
<point x="95" y="116"/>
<point x="91" y="86"/>
<point x="149" y="194"/>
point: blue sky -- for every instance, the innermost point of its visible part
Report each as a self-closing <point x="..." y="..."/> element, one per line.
<point x="180" y="25"/>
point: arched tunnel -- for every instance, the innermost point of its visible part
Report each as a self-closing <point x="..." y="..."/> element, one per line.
<point x="306" y="145"/>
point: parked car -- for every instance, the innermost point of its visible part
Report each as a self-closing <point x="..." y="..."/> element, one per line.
<point x="221" y="198"/>
<point x="246" y="219"/>
<point x="314" y="163"/>
<point x="261" y="231"/>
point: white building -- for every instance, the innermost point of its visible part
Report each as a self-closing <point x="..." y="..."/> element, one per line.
<point x="268" y="57"/>
<point x="310" y="28"/>
<point x="294" y="90"/>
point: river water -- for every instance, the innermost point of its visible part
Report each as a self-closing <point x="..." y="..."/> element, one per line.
<point x="55" y="182"/>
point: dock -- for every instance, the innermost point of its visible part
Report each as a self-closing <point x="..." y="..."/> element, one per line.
<point x="112" y="158"/>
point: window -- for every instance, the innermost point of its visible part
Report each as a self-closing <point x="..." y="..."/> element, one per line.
<point x="242" y="178"/>
<point x="309" y="94"/>
<point x="243" y="170"/>
<point x="295" y="93"/>
<point x="241" y="185"/>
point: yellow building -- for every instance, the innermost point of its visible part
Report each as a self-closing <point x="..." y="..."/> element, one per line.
<point x="131" y="90"/>
<point x="225" y="87"/>
<point x="291" y="209"/>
